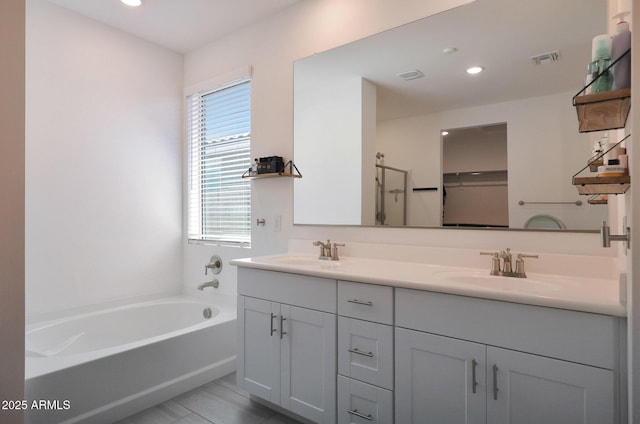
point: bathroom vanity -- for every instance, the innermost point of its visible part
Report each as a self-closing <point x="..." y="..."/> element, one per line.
<point x="362" y="340"/>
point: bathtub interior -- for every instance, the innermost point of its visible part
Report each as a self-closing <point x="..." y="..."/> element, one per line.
<point x="105" y="384"/>
<point x="115" y="327"/>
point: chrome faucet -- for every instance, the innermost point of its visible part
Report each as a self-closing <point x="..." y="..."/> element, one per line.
<point x="328" y="251"/>
<point x="214" y="283"/>
<point x="507" y="270"/>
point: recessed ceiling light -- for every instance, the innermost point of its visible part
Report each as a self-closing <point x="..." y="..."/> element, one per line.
<point x="475" y="70"/>
<point x="132" y="3"/>
<point x="445" y="132"/>
<point x="449" y="50"/>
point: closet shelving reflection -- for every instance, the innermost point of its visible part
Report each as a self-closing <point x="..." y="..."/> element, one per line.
<point x="477" y="179"/>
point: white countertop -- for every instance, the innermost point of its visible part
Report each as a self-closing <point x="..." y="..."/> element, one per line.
<point x="595" y="295"/>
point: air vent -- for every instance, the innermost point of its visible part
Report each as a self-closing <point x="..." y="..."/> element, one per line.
<point x="410" y="75"/>
<point x="544" y="58"/>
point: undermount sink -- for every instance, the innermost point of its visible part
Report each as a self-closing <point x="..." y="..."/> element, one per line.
<point x="304" y="261"/>
<point x="481" y="279"/>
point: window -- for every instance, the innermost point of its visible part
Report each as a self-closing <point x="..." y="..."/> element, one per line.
<point x="219" y="141"/>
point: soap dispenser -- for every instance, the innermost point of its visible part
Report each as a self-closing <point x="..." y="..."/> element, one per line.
<point x="620" y="43"/>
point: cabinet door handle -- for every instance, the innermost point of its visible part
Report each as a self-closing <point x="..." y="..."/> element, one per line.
<point x="357" y="414"/>
<point x="495" y="382"/>
<point x="474" y="381"/>
<point x="360" y="302"/>
<point x="359" y="352"/>
<point x="282" y="320"/>
<point x="273" y="329"/>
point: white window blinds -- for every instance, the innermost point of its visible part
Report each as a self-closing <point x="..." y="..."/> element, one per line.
<point x="219" y="141"/>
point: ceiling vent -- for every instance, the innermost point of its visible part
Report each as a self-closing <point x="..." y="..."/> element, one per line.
<point x="544" y="58"/>
<point x="410" y="75"/>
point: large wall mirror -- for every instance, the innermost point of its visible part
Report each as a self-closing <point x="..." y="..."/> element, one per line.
<point x="391" y="130"/>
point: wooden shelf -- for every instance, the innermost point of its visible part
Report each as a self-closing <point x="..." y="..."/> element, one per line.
<point x="271" y="175"/>
<point x="603" y="111"/>
<point x="288" y="172"/>
<point x="602" y="185"/>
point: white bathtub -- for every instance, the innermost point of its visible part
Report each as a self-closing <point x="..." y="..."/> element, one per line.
<point x="102" y="366"/>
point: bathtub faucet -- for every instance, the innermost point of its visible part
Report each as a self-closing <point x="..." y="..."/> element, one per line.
<point x="215" y="283"/>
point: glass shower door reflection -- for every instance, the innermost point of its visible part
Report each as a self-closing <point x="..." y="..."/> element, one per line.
<point x="391" y="197"/>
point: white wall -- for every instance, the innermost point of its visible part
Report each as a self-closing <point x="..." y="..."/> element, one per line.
<point x="334" y="150"/>
<point x="103" y="154"/>
<point x="12" y="206"/>
<point x="368" y="157"/>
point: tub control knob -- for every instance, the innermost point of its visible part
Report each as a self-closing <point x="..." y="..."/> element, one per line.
<point x="215" y="265"/>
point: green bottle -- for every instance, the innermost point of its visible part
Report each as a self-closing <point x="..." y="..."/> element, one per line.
<point x="603" y="80"/>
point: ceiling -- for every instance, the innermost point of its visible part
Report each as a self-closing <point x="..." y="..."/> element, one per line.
<point x="500" y="35"/>
<point x="180" y="25"/>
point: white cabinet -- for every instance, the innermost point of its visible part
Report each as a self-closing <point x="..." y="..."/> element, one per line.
<point x="258" y="368"/>
<point x="359" y="403"/>
<point x="308" y="363"/>
<point x="530" y="389"/>
<point x="336" y="351"/>
<point x="368" y="302"/>
<point x="456" y="381"/>
<point x="287" y="353"/>
<point x="439" y="379"/>
<point x="459" y="375"/>
<point x="365" y="353"/>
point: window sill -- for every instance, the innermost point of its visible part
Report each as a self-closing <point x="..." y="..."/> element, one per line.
<point x="220" y="243"/>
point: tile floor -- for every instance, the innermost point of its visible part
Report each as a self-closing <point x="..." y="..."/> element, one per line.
<point x="218" y="402"/>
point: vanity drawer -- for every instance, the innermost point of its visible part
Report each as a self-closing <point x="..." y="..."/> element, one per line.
<point x="360" y="402"/>
<point x="574" y="336"/>
<point x="293" y="289"/>
<point x="365" y="351"/>
<point x="365" y="301"/>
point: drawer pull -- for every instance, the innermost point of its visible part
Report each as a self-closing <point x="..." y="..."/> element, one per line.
<point x="474" y="381"/>
<point x="495" y="382"/>
<point x="357" y="414"/>
<point x="359" y="352"/>
<point x="273" y="329"/>
<point x="360" y="302"/>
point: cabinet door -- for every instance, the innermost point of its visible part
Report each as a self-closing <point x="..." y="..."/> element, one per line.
<point x="439" y="380"/>
<point x="308" y="363"/>
<point x="259" y="348"/>
<point x="532" y="389"/>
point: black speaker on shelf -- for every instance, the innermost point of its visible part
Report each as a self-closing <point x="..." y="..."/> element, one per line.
<point x="270" y="165"/>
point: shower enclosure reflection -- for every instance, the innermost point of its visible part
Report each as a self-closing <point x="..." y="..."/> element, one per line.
<point x="391" y="199"/>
